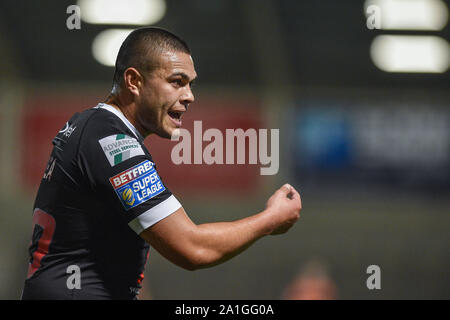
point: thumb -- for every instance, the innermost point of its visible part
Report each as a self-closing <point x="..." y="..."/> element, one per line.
<point x="286" y="189"/>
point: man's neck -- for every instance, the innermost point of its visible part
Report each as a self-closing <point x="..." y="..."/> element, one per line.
<point x="127" y="110"/>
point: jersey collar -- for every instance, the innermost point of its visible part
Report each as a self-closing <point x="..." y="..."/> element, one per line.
<point x="121" y="117"/>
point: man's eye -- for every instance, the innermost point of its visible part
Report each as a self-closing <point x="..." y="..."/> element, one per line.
<point x="178" y="82"/>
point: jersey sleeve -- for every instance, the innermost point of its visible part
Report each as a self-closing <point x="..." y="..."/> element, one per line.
<point x="123" y="176"/>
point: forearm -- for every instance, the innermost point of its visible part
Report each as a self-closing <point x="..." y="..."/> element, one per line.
<point x="192" y="246"/>
<point x="220" y="241"/>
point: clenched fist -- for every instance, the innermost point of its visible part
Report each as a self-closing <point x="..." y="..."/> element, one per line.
<point x="284" y="209"/>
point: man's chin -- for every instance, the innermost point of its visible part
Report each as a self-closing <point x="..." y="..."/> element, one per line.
<point x="173" y="133"/>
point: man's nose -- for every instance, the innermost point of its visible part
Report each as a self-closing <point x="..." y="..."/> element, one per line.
<point x="188" y="96"/>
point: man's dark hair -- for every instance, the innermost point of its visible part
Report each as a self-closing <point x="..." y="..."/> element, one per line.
<point x="142" y="48"/>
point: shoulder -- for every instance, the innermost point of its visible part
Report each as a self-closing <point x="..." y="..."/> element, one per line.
<point x="105" y="126"/>
<point x="105" y="132"/>
<point x="101" y="122"/>
<point x="92" y="122"/>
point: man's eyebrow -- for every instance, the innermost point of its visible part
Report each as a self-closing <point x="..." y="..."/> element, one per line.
<point x="183" y="75"/>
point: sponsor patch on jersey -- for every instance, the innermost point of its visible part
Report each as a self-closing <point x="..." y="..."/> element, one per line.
<point x="120" y="147"/>
<point x="137" y="184"/>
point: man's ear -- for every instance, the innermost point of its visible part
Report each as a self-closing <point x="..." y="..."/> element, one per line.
<point x="133" y="81"/>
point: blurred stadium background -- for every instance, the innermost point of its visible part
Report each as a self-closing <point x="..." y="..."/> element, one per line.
<point x="368" y="148"/>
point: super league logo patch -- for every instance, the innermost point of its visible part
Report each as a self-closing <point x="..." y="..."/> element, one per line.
<point x="137" y="184"/>
<point x="120" y="147"/>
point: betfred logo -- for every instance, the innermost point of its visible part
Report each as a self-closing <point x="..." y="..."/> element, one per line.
<point x="137" y="184"/>
<point x="131" y="174"/>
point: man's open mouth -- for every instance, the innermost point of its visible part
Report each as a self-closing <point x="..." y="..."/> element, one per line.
<point x="175" y="114"/>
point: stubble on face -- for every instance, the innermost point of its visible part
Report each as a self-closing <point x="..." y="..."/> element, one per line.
<point x="165" y="92"/>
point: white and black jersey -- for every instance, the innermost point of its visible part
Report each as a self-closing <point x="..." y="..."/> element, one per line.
<point x="100" y="190"/>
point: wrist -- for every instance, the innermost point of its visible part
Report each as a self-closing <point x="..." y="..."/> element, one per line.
<point x="268" y="225"/>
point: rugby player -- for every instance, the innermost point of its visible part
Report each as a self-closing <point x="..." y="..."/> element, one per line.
<point x="101" y="203"/>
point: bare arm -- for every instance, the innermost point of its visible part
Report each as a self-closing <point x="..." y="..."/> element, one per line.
<point x="194" y="246"/>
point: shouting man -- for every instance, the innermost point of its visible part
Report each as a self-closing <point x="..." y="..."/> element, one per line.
<point x="101" y="203"/>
